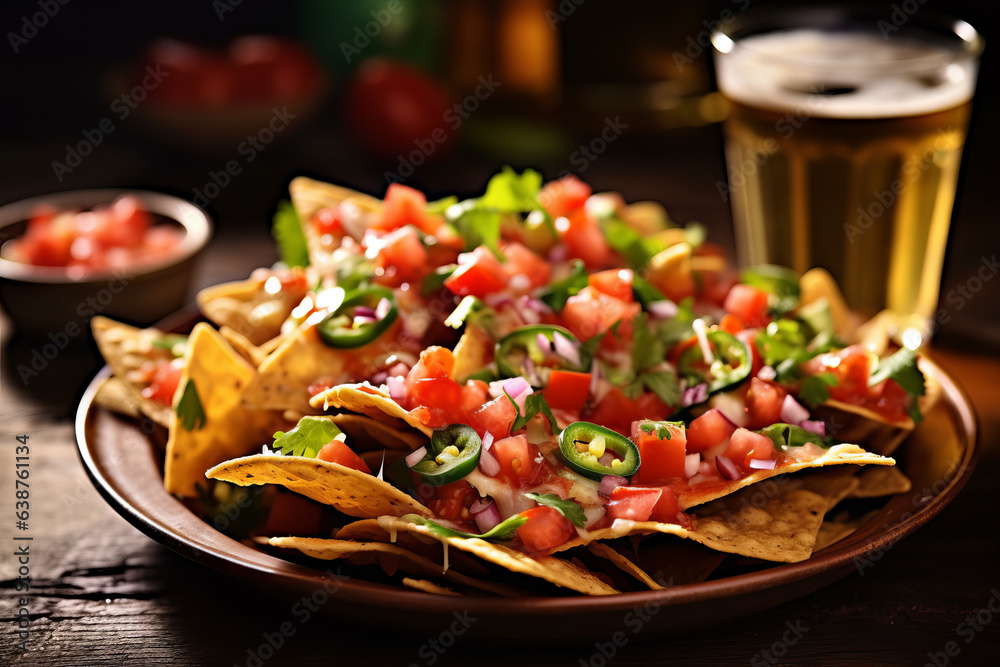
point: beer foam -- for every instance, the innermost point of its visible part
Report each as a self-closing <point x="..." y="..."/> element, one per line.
<point x="845" y="74"/>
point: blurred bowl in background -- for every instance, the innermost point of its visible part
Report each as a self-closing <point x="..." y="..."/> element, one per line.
<point x="58" y="301"/>
<point x="218" y="101"/>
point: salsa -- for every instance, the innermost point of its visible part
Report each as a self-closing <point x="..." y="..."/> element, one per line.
<point x="120" y="234"/>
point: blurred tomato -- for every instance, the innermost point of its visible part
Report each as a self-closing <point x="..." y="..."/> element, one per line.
<point x="393" y="110"/>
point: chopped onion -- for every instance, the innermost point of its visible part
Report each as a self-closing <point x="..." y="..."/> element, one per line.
<point x="694" y="395"/>
<point x="513" y="387"/>
<point x="558" y="254"/>
<point x="497" y="299"/>
<point x="363" y="319"/>
<point x="488" y="463"/>
<point x="691" y="464"/>
<point x="609" y="483"/>
<point x="814" y="426"/>
<point x="530" y="303"/>
<point x="397" y="388"/>
<point x="701" y="331"/>
<point x="480" y="504"/>
<point x="364" y="311"/>
<point x="543" y="342"/>
<point x="607" y="458"/>
<point x="488" y="518"/>
<point x="762" y="464"/>
<point x="414" y="457"/>
<point x="595" y="376"/>
<point x="767" y="373"/>
<point x="566" y="349"/>
<point x="792" y="411"/>
<point x="487" y="441"/>
<point x="727" y="468"/>
<point x="382" y="309"/>
<point x="663" y="310"/>
<point x="521" y="399"/>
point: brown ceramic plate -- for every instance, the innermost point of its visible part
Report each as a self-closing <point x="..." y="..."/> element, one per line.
<point x="939" y="458"/>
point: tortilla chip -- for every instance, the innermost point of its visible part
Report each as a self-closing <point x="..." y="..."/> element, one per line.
<point x="126" y="348"/>
<point x="371" y="401"/>
<point x="836" y="455"/>
<point x="248" y="308"/>
<point x="834" y="484"/>
<point x="835" y="529"/>
<point x="852" y="423"/>
<point x="390" y="556"/>
<point x="352" y="492"/>
<point x="367" y="433"/>
<point x="303" y="359"/>
<point x="675" y="562"/>
<point x="554" y="570"/>
<point x="879" y="482"/>
<point x="622" y="563"/>
<point x="254" y="354"/>
<point x="425" y="586"/>
<point x="310" y="196"/>
<point x="219" y="376"/>
<point x="116" y="395"/>
<point x="473" y="351"/>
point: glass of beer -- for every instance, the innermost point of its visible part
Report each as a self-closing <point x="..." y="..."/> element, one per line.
<point x="843" y="146"/>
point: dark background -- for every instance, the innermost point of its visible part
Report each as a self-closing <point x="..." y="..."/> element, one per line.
<point x="612" y="60"/>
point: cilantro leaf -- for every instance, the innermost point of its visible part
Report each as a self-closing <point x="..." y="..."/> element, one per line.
<point x="534" y="404"/>
<point x="501" y="532"/>
<point x="556" y="294"/>
<point x="815" y="388"/>
<point x="779" y="281"/>
<point x="661" y="429"/>
<point x="628" y="242"/>
<point x="678" y="328"/>
<point x="189" y="408"/>
<point x="509" y="192"/>
<point x="569" y="508"/>
<point x="647" y="348"/>
<point x="287" y="232"/>
<point x="788" y="435"/>
<point x="307" y="438"/>
<point x="664" y="384"/>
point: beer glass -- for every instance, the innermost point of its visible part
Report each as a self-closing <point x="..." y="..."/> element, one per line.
<point x="843" y="146"/>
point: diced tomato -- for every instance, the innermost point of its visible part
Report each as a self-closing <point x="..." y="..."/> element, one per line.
<point x="583" y="239"/>
<point x="163" y="382"/>
<point x="564" y="196"/>
<point x="400" y="257"/>
<point x="763" y="403"/>
<point x="661" y="459"/>
<point x="327" y="221"/>
<point x="451" y="501"/>
<point x="666" y="508"/>
<point x="124" y="224"/>
<point x="475" y="394"/>
<point x="516" y="457"/>
<point x="567" y="390"/>
<point x="617" y="412"/>
<point x="545" y="529"/>
<point x="590" y="312"/>
<point x="745" y="445"/>
<point x="731" y="324"/>
<point x="403" y="206"/>
<point x="291" y="514"/>
<point x="634" y="503"/>
<point x="479" y="273"/>
<point x="441" y="396"/>
<point x="708" y="430"/>
<point x="613" y="282"/>
<point x="890" y="400"/>
<point x="48" y="240"/>
<point x="522" y="261"/>
<point x="851" y="367"/>
<point x="749" y="304"/>
<point x="337" y="451"/>
<point x="435" y="362"/>
<point x="497" y="416"/>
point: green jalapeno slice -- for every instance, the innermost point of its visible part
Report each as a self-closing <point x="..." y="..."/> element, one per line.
<point x="346" y="327"/>
<point x="730" y="367"/>
<point x="532" y="352"/>
<point x="452" y="453"/>
<point x="582" y="444"/>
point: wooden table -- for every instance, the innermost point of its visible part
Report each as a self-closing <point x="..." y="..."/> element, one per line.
<point x="104" y="594"/>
